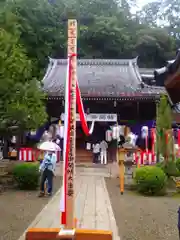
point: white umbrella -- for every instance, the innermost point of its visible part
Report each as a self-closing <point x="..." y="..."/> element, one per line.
<point x="48" y="146"/>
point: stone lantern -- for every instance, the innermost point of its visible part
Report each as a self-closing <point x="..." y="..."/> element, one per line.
<point x="125" y="161"/>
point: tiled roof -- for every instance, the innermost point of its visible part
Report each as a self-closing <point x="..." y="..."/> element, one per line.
<point x="146" y="71"/>
<point x="99" y="78"/>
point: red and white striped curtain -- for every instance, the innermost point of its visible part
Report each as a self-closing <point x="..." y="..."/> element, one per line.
<point x="144" y="158"/>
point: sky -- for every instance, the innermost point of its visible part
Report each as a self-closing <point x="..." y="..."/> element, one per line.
<point x="141" y="3"/>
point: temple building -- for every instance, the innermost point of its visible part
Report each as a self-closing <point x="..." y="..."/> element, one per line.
<point x="112" y="91"/>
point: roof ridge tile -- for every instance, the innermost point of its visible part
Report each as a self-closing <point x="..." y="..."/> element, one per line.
<point x="101" y="62"/>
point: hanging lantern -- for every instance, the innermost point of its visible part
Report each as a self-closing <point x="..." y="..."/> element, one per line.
<point x="13" y="140"/>
<point x="61" y="131"/>
<point x="144" y="132"/>
<point x="115" y="132"/>
<point x="33" y="132"/>
<point x="121" y="130"/>
<point x="132" y="138"/>
<point x="109" y="135"/>
<point x="144" y="135"/>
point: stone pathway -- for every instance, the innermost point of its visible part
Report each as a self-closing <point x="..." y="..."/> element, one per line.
<point x="92" y="204"/>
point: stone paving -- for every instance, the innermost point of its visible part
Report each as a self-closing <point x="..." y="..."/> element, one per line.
<point x="92" y="204"/>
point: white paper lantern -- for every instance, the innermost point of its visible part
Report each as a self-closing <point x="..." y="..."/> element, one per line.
<point x="13" y="140"/>
<point x="121" y="130"/>
<point x="144" y="132"/>
<point x="133" y="138"/>
<point x="108" y="135"/>
<point x="115" y="132"/>
<point x="61" y="131"/>
<point x="88" y="146"/>
<point x="33" y="132"/>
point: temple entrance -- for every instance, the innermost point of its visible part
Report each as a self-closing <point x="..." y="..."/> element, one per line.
<point x="84" y="144"/>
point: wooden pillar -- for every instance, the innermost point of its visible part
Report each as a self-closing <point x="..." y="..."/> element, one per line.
<point x="121" y="158"/>
<point x="72" y="50"/>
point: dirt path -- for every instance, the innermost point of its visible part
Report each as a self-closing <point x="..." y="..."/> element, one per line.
<point x="18" y="209"/>
<point x="143" y="218"/>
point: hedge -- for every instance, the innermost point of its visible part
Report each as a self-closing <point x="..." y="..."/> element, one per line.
<point x="26" y="175"/>
<point x="150" y="180"/>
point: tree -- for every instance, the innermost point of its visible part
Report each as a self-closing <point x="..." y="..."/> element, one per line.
<point x="21" y="99"/>
<point x="103" y="34"/>
<point x="165" y="13"/>
<point x="107" y="29"/>
<point x="149" y="14"/>
<point x="163" y="124"/>
<point x="154" y="46"/>
<point x="41" y="31"/>
<point x="170" y="15"/>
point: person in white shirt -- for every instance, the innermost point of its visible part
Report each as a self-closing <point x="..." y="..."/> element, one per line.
<point x="47" y="169"/>
<point x="103" y="154"/>
<point x="96" y="150"/>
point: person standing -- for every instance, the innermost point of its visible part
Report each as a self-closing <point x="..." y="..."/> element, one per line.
<point x="47" y="169"/>
<point x="103" y="154"/>
<point x="96" y="150"/>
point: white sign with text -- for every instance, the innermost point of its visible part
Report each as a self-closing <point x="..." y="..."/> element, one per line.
<point x="97" y="117"/>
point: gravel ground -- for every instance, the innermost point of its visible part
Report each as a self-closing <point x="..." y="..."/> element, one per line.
<point x="18" y="209"/>
<point x="143" y="218"/>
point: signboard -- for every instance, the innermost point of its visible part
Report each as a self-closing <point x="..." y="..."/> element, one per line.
<point x="97" y="117"/>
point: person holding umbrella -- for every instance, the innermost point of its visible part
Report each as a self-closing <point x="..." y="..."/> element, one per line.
<point x="48" y="167"/>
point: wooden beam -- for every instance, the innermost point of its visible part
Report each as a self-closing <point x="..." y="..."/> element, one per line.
<point x="80" y="234"/>
<point x="72" y="50"/>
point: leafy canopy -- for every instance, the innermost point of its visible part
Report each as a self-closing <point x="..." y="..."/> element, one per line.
<point x="20" y="97"/>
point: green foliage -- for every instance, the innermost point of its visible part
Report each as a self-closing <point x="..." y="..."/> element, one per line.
<point x="107" y="29"/>
<point x="26" y="175"/>
<point x="163" y="123"/>
<point x="170" y="168"/>
<point x="156" y="44"/>
<point x="21" y="100"/>
<point x="150" y="180"/>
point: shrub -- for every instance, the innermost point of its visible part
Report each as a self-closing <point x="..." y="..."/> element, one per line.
<point x="170" y="168"/>
<point x="160" y="164"/>
<point x="150" y="180"/>
<point x="27" y="175"/>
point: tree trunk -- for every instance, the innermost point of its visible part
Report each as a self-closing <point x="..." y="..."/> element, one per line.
<point x="19" y="142"/>
<point x="5" y="148"/>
